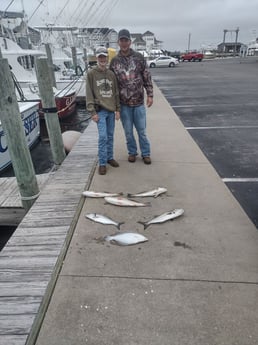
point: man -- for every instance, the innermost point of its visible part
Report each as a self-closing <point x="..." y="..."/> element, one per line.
<point x="133" y="77"/>
<point x="102" y="98"/>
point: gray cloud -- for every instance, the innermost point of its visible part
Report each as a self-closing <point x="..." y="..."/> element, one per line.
<point x="170" y="21"/>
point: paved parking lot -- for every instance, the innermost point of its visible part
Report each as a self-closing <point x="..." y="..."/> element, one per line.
<point x="217" y="101"/>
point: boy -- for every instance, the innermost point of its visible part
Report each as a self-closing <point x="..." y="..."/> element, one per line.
<point x="102" y="100"/>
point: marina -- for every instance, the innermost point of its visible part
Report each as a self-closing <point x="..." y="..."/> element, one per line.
<point x="66" y="286"/>
<point x="157" y="251"/>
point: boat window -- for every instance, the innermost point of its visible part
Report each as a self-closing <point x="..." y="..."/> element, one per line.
<point x="27" y="61"/>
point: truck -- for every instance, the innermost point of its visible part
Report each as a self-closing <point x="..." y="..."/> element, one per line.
<point x="192" y="57"/>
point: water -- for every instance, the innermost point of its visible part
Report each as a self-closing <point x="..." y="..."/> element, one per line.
<point x="41" y="152"/>
<point x="42" y="157"/>
<point x="5" y="233"/>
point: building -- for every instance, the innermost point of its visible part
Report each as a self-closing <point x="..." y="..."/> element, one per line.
<point x="93" y="37"/>
<point x="230" y="47"/>
<point x="145" y="42"/>
<point x="252" y="47"/>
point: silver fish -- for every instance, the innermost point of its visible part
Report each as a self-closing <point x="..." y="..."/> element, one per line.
<point x="164" y="217"/>
<point x="99" y="218"/>
<point x="120" y="201"/>
<point x="155" y="192"/>
<point x="125" y="239"/>
<point x="92" y="194"/>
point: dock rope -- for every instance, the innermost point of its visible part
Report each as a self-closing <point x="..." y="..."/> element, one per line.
<point x="32" y="197"/>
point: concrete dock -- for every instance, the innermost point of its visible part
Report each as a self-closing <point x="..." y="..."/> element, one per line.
<point x="195" y="282"/>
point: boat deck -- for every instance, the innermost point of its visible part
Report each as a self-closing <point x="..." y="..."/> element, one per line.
<point x="11" y="210"/>
<point x="32" y="256"/>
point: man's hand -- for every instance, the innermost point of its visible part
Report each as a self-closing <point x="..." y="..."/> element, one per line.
<point x="149" y="101"/>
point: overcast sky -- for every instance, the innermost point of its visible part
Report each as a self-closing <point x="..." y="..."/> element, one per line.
<point x="199" y="23"/>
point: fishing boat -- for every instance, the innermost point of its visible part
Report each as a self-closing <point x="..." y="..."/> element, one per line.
<point x="30" y="118"/>
<point x="21" y="62"/>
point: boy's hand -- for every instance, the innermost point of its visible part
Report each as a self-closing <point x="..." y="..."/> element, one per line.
<point x="117" y="115"/>
<point x="95" y="117"/>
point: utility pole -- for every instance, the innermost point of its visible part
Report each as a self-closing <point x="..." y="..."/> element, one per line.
<point x="189" y="42"/>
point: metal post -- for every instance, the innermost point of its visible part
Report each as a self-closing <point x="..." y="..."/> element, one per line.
<point x="237" y="30"/>
<point x="50" y="110"/>
<point x="224" y="36"/>
<point x="16" y="140"/>
<point x="50" y="64"/>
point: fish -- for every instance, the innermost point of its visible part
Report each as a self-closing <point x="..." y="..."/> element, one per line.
<point x="155" y="192"/>
<point x="125" y="239"/>
<point x="170" y="215"/>
<point x="92" y="194"/>
<point x="99" y="218"/>
<point x="120" y="201"/>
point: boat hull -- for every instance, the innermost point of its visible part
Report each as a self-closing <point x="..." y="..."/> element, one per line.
<point x="65" y="104"/>
<point x="30" y="118"/>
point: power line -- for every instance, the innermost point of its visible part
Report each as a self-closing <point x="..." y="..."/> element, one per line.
<point x="62" y="10"/>
<point x="41" y="2"/>
<point x="9" y="5"/>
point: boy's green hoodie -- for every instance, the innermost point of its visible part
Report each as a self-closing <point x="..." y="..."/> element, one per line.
<point x="101" y="90"/>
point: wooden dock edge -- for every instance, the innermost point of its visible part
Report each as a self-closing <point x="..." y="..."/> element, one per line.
<point x="32" y="259"/>
<point x="31" y="340"/>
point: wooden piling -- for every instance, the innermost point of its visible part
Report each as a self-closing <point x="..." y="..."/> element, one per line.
<point x="85" y="58"/>
<point x="50" y="110"/>
<point x="50" y="64"/>
<point x="16" y="140"/>
<point x="74" y="57"/>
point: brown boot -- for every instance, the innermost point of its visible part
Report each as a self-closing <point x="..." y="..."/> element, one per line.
<point x="131" y="158"/>
<point x="113" y="163"/>
<point x="102" y="170"/>
<point x="147" y="160"/>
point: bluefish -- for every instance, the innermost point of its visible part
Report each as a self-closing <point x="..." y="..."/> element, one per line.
<point x="92" y="194"/>
<point x="164" y="217"/>
<point x="99" y="218"/>
<point x="155" y="192"/>
<point x="120" y="201"/>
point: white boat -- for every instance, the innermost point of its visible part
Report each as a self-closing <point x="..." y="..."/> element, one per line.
<point x="30" y="118"/>
<point x="22" y="62"/>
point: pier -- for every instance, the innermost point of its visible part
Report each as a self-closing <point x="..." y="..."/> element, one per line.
<point x="30" y="262"/>
<point x="193" y="282"/>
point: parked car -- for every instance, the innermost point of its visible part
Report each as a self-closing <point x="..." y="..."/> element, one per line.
<point x="163" y="61"/>
<point x="192" y="57"/>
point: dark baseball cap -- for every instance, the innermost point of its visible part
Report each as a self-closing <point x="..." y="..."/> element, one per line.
<point x="124" y="34"/>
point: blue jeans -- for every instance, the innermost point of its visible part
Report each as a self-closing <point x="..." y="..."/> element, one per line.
<point x="135" y="116"/>
<point x="106" y="127"/>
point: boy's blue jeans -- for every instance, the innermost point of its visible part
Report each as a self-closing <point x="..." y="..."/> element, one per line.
<point x="106" y="127"/>
<point x="135" y="116"/>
